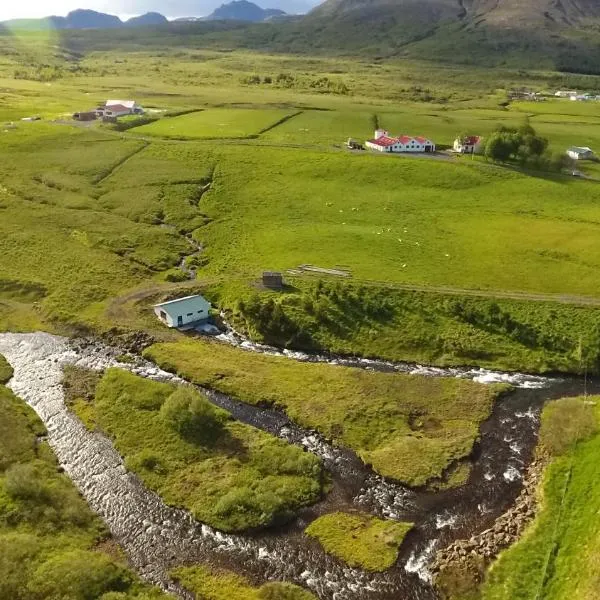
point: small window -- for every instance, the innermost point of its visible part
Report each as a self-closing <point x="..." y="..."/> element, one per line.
<point x="200" y="312"/>
<point x="190" y="314"/>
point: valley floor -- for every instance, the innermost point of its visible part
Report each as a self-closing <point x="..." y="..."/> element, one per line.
<point x="445" y="262"/>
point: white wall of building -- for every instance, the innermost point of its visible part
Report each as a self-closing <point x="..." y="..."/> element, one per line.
<point x="183" y="311"/>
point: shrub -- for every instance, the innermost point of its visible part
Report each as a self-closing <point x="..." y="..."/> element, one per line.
<point x="193" y="416"/>
<point x="566" y="422"/>
<point x="24" y="483"/>
<point x="79" y="575"/>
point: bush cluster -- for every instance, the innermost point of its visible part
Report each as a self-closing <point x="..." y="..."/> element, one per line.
<point x="193" y="416"/>
<point x="524" y="147"/>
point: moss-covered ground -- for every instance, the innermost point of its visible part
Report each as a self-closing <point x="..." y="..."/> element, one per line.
<point x="6" y="370"/>
<point x="222" y="585"/>
<point x="408" y="427"/>
<point x="50" y="541"/>
<point x="360" y="540"/>
<point x="229" y="475"/>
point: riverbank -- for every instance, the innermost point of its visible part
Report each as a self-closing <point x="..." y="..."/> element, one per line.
<point x="442" y="329"/>
<point x="51" y="543"/>
<point x="158" y="538"/>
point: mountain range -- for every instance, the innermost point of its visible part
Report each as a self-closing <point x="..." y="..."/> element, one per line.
<point x="541" y="34"/>
<point x="237" y="10"/>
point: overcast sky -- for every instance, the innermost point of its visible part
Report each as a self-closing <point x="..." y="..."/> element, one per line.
<point x="169" y="8"/>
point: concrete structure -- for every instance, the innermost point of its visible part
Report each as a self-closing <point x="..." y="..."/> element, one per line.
<point x="382" y="142"/>
<point x="273" y="280"/>
<point x="183" y="311"/>
<point x="468" y="145"/>
<point x="580" y="153"/>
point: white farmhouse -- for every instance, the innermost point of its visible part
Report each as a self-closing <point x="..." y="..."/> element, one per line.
<point x="183" y="311"/>
<point x="580" y="153"/>
<point x="468" y="145"/>
<point x="131" y="105"/>
<point x="382" y="142"/>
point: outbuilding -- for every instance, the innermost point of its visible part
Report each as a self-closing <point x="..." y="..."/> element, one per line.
<point x="580" y="153"/>
<point x="183" y="311"/>
<point x="85" y="116"/>
<point x="272" y="280"/>
<point x="470" y="144"/>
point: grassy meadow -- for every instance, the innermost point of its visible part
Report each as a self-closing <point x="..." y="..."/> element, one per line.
<point x="360" y="540"/>
<point x="107" y="213"/>
<point x="52" y="545"/>
<point x="409" y="428"/>
<point x="229" y="475"/>
<point x="216" y="123"/>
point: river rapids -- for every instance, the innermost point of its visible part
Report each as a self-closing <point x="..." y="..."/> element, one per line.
<point x="157" y="537"/>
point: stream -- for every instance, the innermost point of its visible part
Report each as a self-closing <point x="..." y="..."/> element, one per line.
<point x="157" y="537"/>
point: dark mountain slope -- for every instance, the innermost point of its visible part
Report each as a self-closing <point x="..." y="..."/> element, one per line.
<point x="148" y="20"/>
<point x="242" y="10"/>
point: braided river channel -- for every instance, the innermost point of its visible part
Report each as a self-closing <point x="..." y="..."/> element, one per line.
<point x="157" y="537"/>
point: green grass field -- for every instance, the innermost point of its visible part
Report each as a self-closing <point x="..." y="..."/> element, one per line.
<point x="216" y="123"/>
<point x="114" y="208"/>
<point x="51" y="544"/>
<point x="409" y="428"/>
<point x="234" y="477"/>
<point x="360" y="540"/>
<point x="559" y="555"/>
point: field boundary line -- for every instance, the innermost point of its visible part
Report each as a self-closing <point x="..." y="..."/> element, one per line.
<point x="281" y="122"/>
<point x="121" y="163"/>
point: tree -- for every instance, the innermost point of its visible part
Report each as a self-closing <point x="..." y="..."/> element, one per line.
<point x="193" y="416"/>
<point x="499" y="147"/>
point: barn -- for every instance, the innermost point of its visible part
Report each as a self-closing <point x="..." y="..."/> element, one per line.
<point x="183" y="311"/>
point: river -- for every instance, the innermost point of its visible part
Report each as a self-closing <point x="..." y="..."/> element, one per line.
<point x="157" y="537"/>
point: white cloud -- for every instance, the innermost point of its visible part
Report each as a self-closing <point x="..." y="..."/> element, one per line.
<point x="43" y="8"/>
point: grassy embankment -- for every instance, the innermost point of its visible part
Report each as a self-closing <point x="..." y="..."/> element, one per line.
<point x="51" y="544"/>
<point x="559" y="556"/>
<point x="218" y="585"/>
<point x="432" y="328"/>
<point x="229" y="475"/>
<point x="409" y="428"/>
<point x="360" y="540"/>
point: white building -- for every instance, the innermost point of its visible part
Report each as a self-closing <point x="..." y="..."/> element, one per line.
<point x="580" y="153"/>
<point x="468" y="145"/>
<point x="133" y="107"/>
<point x="183" y="311"/>
<point x="565" y="93"/>
<point x="384" y="143"/>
